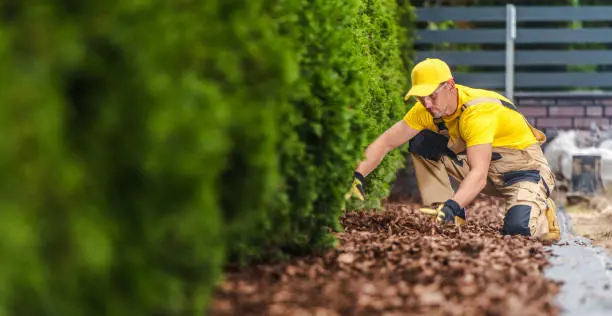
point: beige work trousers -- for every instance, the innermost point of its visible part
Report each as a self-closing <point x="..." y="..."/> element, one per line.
<point x="522" y="177"/>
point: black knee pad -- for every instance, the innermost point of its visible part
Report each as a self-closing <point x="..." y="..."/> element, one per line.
<point x="516" y="221"/>
<point x="429" y="144"/>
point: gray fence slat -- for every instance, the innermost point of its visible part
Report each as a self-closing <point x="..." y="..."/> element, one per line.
<point x="595" y="94"/>
<point x="522" y="58"/>
<point x="461" y="14"/>
<point x="524" y="13"/>
<point x="474" y="58"/>
<point x="481" y="80"/>
<point x="524" y="36"/>
<point x="588" y="35"/>
<point x="564" y="79"/>
<point x="537" y="80"/>
<point x="461" y="36"/>
<point x="561" y="57"/>
<point x="563" y="13"/>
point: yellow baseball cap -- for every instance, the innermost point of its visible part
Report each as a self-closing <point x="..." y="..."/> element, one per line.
<point x="427" y="76"/>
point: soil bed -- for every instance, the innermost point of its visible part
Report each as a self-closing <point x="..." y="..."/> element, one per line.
<point x="397" y="263"/>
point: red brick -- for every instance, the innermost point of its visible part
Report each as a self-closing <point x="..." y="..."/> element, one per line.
<point x="554" y="122"/>
<point x="605" y="102"/>
<point x="566" y="111"/>
<point x="534" y="102"/>
<point x="583" y="122"/>
<point x="594" y="111"/>
<point x="533" y="111"/>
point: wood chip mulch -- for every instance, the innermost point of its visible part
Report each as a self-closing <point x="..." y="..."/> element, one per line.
<point x="397" y="262"/>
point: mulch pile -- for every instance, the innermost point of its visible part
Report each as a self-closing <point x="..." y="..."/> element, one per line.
<point x="398" y="263"/>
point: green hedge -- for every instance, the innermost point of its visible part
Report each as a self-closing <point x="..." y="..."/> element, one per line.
<point x="390" y="61"/>
<point x="352" y="60"/>
<point x="146" y="144"/>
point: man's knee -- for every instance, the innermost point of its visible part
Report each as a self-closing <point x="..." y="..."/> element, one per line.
<point x="516" y="221"/>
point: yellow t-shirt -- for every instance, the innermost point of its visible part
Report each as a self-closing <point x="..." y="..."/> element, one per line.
<point x="482" y="123"/>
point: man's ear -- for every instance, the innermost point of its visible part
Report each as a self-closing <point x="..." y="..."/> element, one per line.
<point x="451" y="82"/>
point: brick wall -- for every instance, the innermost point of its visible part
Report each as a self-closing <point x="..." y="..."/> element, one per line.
<point x="552" y="113"/>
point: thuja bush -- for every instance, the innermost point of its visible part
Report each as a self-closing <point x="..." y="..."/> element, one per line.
<point x="351" y="61"/>
<point x="146" y="144"/>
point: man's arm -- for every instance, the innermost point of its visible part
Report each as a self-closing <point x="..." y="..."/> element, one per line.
<point x="395" y="136"/>
<point x="479" y="158"/>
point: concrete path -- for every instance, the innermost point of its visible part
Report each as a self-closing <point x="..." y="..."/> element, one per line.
<point x="585" y="270"/>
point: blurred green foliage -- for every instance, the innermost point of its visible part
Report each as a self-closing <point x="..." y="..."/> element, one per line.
<point x="148" y="143"/>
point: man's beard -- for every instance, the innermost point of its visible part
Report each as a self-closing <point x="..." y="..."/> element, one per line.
<point x="434" y="115"/>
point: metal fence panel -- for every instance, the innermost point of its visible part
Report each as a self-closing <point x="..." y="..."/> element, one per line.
<point x="506" y="37"/>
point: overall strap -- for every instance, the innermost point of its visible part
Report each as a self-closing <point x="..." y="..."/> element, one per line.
<point x="489" y="100"/>
<point x="439" y="122"/>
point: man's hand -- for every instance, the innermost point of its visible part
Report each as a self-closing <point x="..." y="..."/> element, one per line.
<point x="358" y="187"/>
<point x="449" y="212"/>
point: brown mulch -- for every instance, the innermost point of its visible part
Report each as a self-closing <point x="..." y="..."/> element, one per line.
<point x="397" y="263"/>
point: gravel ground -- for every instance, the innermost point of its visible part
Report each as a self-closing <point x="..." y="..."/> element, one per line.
<point x="592" y="218"/>
<point x="397" y="263"/>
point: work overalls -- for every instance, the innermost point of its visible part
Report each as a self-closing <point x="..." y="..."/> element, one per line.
<point x="522" y="177"/>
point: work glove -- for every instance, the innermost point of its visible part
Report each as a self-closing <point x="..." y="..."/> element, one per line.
<point x="554" y="232"/>
<point x="358" y="187"/>
<point x="449" y="212"/>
